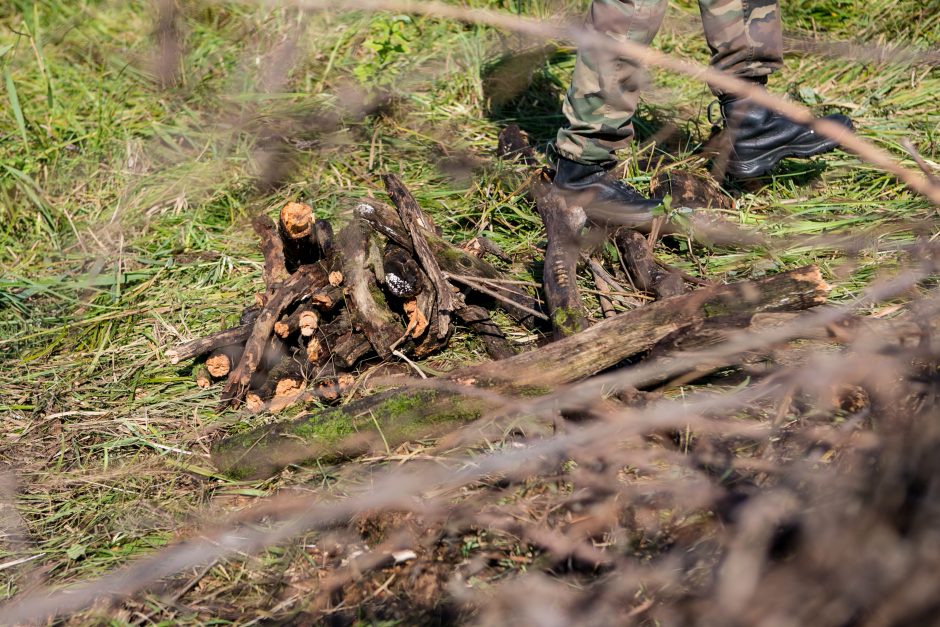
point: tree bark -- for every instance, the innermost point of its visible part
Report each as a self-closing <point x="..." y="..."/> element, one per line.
<point x="364" y="298"/>
<point x="272" y="247"/>
<point x="413" y="219"/>
<point x="646" y="274"/>
<point x="204" y="345"/>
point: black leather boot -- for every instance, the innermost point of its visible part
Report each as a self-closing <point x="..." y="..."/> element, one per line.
<point x="761" y="137"/>
<point x="602" y="194"/>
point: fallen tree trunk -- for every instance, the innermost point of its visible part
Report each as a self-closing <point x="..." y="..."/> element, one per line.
<point x="645" y="273"/>
<point x="404" y="414"/>
<point x="204" y="345"/>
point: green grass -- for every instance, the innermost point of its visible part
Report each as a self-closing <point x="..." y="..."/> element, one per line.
<point x="124" y="210"/>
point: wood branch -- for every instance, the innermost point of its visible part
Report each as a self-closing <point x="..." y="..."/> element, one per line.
<point x="560" y="273"/>
<point x="296" y="228"/>
<point x="327" y="298"/>
<point x="409" y="414"/>
<point x="385" y="221"/>
<point x="417" y="224"/>
<point x="364" y="298"/>
<point x="611" y="341"/>
<point x="603" y="288"/>
<point x="275" y="267"/>
<point x="349" y="348"/>
<point x="204" y="345"/>
<point x="304" y="281"/>
<point x="402" y="273"/>
<point x="478" y="320"/>
<point x="645" y="273"/>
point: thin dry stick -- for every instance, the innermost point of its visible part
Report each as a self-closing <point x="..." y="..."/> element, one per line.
<point x="480" y="288"/>
<point x="647" y="56"/>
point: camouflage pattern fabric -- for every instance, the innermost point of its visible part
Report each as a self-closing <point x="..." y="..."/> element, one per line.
<point x="745" y="37"/>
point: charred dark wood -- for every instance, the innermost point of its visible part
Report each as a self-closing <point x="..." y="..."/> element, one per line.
<point x="642" y="268"/>
<point x="204" y="345"/>
<point x="323" y="231"/>
<point x="560" y="274"/>
<point x="364" y="298"/>
<point x="385" y="221"/>
<point x="328" y="298"/>
<point x="304" y="281"/>
<point x="275" y="267"/>
<point x="402" y="273"/>
<point x="349" y="348"/>
<point x="417" y="224"/>
<point x="478" y="320"/>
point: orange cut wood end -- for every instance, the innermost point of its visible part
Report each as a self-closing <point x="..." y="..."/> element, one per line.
<point x="297" y="220"/>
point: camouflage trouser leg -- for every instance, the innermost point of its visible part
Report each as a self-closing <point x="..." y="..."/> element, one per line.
<point x="744" y="35"/>
<point x="605" y="88"/>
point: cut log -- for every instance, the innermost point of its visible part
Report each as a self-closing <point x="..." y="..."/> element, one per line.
<point x="611" y="341"/>
<point x="275" y="267"/>
<point x="304" y="281"/>
<point x="478" y="320"/>
<point x="204" y="345"/>
<point x="364" y="298"/>
<point x="328" y="298"/>
<point x="221" y="361"/>
<point x="560" y="273"/>
<point x="407" y="414"/>
<point x="451" y="259"/>
<point x="296" y="227"/>
<point x="417" y="224"/>
<point x="304" y="320"/>
<point x="645" y="273"/>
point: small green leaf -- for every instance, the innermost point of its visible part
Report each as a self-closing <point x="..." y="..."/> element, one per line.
<point x="15" y="105"/>
<point x="75" y="551"/>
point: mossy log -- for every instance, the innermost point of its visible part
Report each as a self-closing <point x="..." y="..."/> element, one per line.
<point x="342" y="432"/>
<point x="403" y="414"/>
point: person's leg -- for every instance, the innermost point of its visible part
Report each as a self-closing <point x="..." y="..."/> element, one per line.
<point x="605" y="87"/>
<point x="746" y="39"/>
<point x="745" y="36"/>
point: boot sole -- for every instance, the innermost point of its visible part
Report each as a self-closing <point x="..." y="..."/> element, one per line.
<point x="754" y="168"/>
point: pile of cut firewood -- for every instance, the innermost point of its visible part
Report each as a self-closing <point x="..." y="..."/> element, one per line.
<point x="388" y="287"/>
<point x="385" y="286"/>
